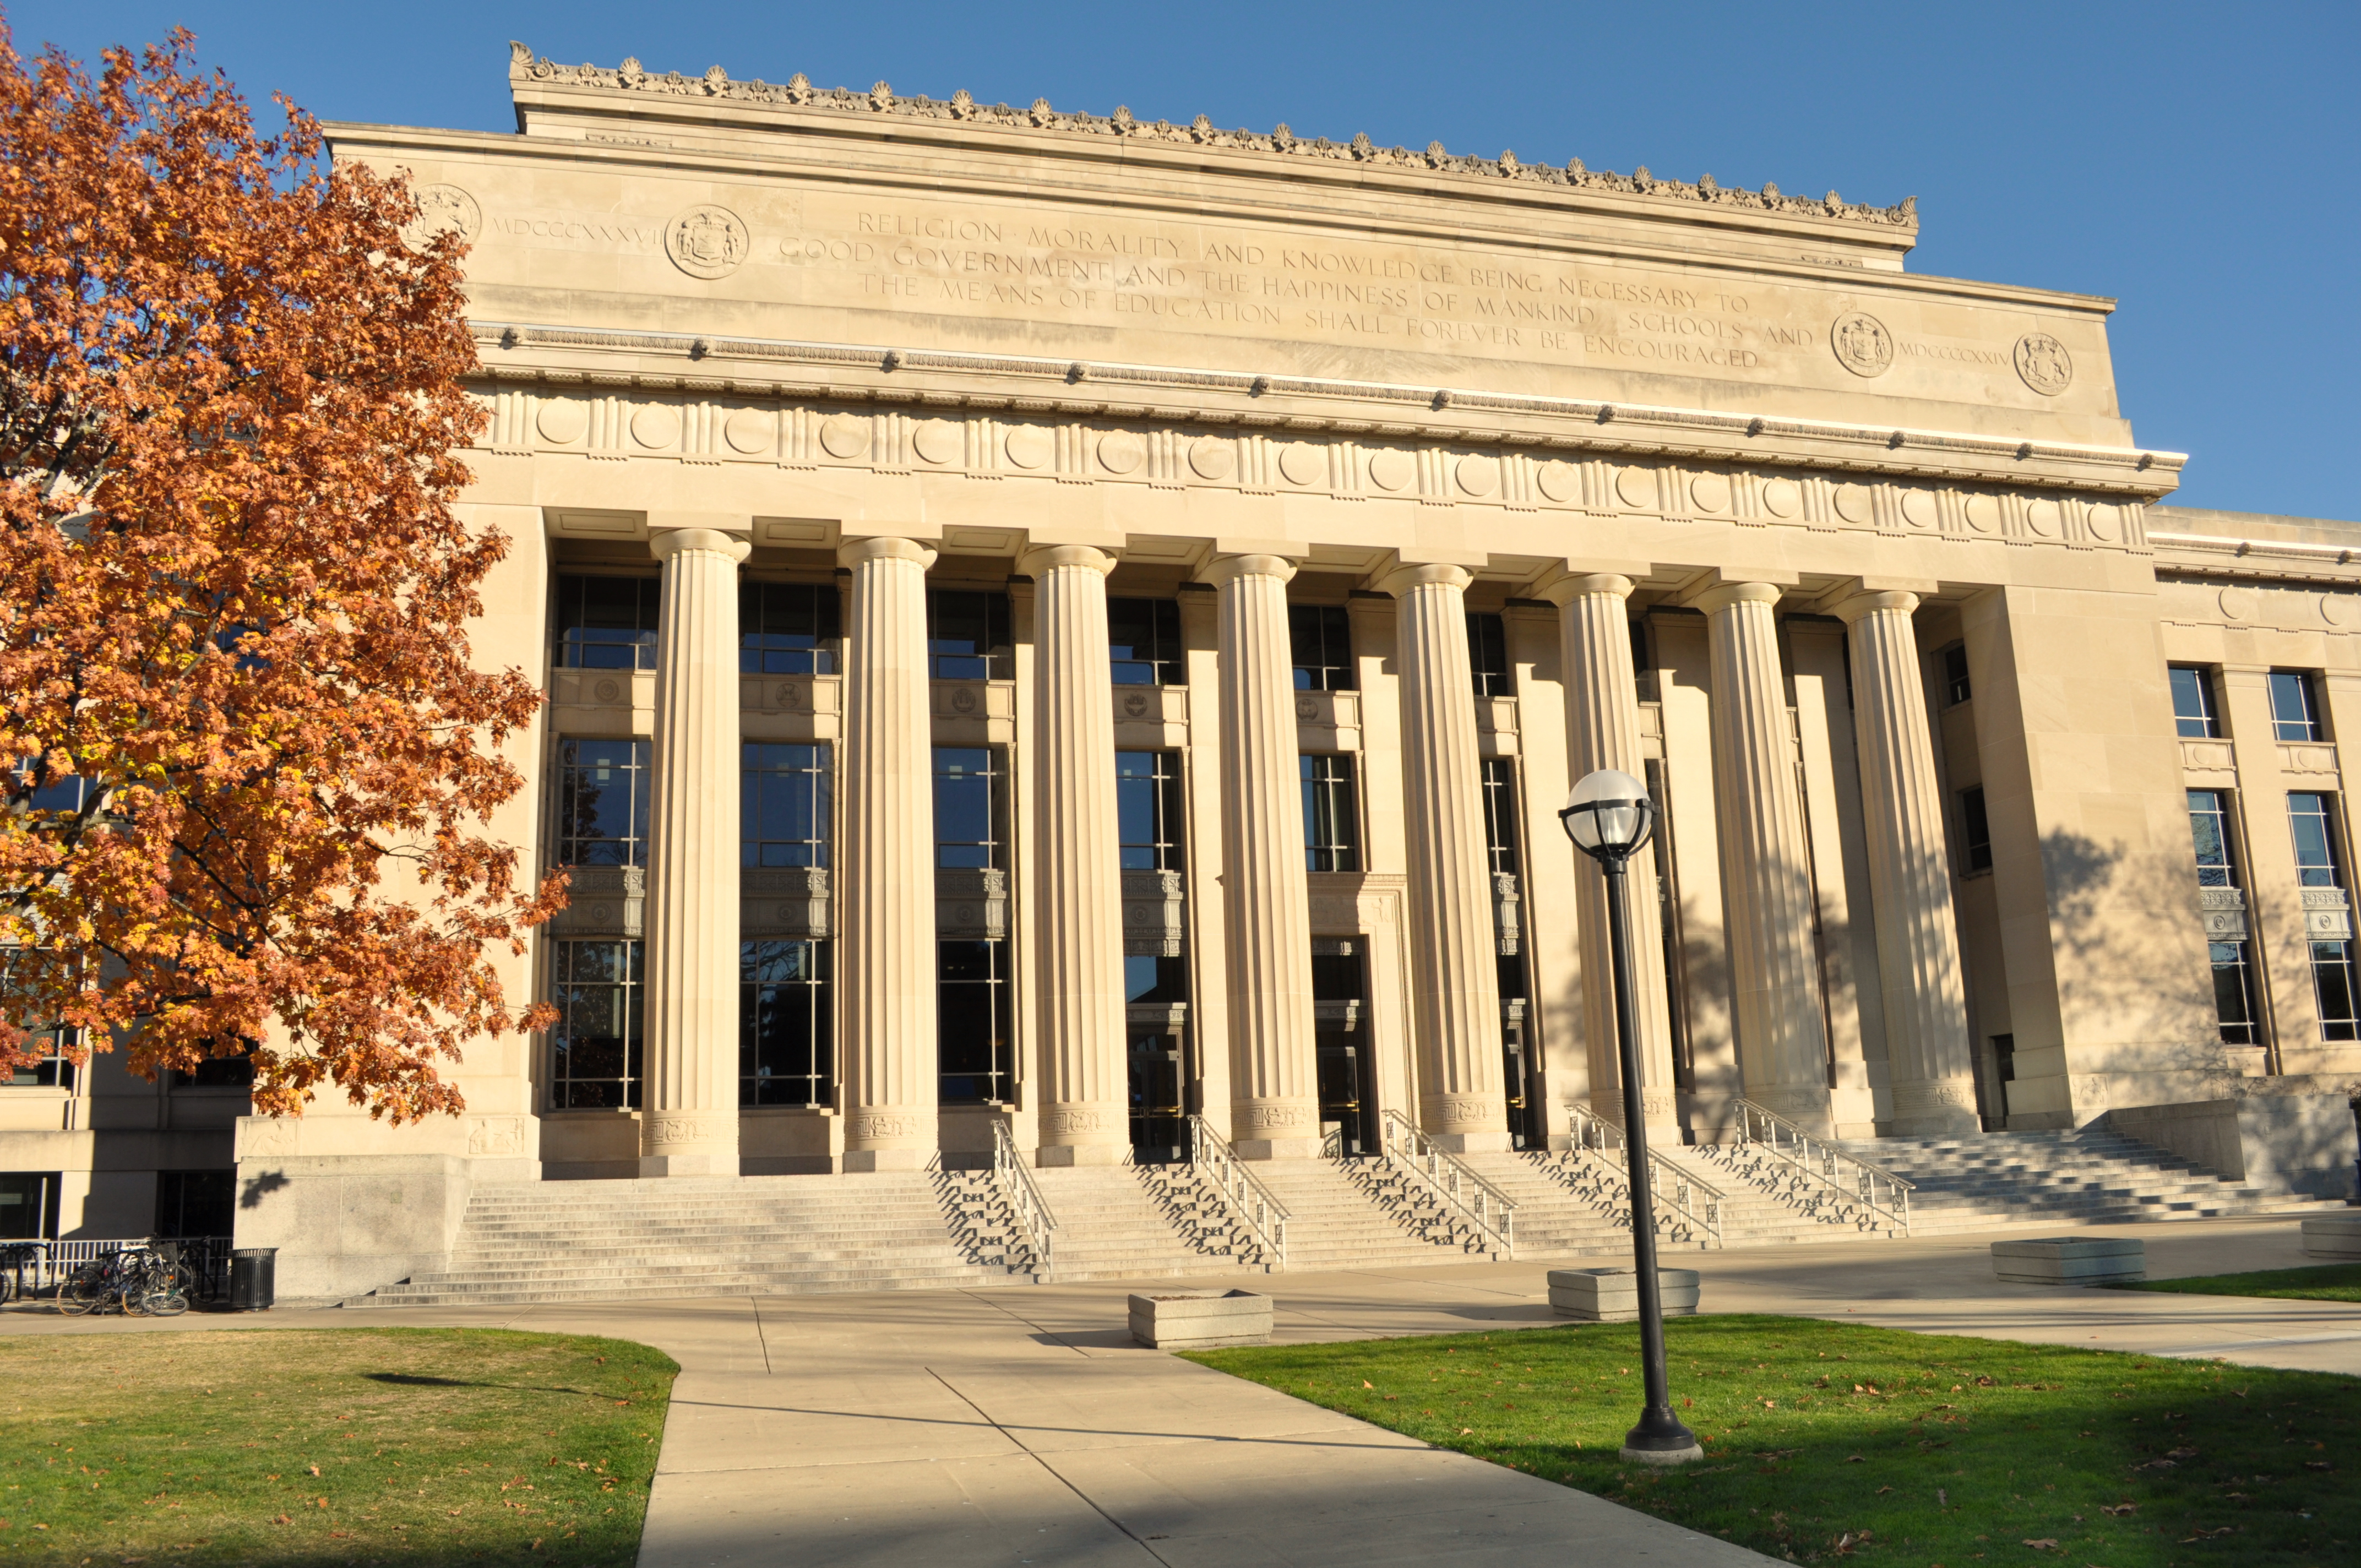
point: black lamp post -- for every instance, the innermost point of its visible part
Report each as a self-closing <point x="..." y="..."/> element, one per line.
<point x="1608" y="817"/>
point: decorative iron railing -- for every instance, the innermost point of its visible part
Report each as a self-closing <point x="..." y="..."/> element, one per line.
<point x="1459" y="1191"/>
<point x="1687" y="1209"/>
<point x="1246" y="1198"/>
<point x="1027" y="1207"/>
<point x="1813" y="1177"/>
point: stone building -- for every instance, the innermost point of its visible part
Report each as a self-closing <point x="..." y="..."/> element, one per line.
<point x="1057" y="625"/>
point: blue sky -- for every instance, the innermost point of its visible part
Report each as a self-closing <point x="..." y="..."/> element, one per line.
<point x="2195" y="162"/>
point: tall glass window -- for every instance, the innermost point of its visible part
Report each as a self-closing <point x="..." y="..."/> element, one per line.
<point x="788" y="629"/>
<point x="2234" y="979"/>
<point x="2312" y="818"/>
<point x="1322" y="639"/>
<point x="782" y="805"/>
<point x="1331" y="815"/>
<point x="970" y="808"/>
<point x="1957" y="688"/>
<point x="785" y="1032"/>
<point x="1148" y="810"/>
<point x="49" y="1067"/>
<point x="1975" y="846"/>
<point x="2294" y="714"/>
<point x="1144" y="638"/>
<point x="602" y="803"/>
<point x="1488" y="655"/>
<point x="2193" y="714"/>
<point x="606" y="623"/>
<point x="972" y="1040"/>
<point x="967" y="635"/>
<point x="595" y="1045"/>
<point x="1500" y="814"/>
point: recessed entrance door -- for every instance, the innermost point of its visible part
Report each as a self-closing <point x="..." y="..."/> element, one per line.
<point x="1159" y="1135"/>
<point x="1348" y="1074"/>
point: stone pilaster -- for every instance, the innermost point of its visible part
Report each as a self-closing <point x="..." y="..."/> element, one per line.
<point x="1079" y="877"/>
<point x="1927" y="1045"/>
<point x="1602" y="730"/>
<point x="885" y="977"/>
<point x="1455" y="984"/>
<point x="689" y="1123"/>
<point x="1274" y="1090"/>
<point x="1783" y="1048"/>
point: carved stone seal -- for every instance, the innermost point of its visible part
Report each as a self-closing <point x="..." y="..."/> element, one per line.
<point x="707" y="241"/>
<point x="442" y="209"/>
<point x="2044" y="363"/>
<point x="1861" y="342"/>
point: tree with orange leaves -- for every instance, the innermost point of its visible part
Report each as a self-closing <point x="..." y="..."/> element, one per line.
<point x="234" y="683"/>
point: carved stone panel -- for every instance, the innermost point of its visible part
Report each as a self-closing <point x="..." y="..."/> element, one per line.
<point x="1155" y="913"/>
<point x="973" y="905"/>
<point x="606" y="901"/>
<point x="790" y="901"/>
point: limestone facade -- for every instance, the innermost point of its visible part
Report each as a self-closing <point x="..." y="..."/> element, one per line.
<point x="1174" y="575"/>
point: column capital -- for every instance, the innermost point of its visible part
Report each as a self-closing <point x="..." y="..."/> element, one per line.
<point x="1227" y="568"/>
<point x="1850" y="608"/>
<point x="883" y="547"/>
<point x="1037" y="559"/>
<point x="1721" y="596"/>
<point x="1400" y="579"/>
<point x="663" y="545"/>
<point x="1563" y="591"/>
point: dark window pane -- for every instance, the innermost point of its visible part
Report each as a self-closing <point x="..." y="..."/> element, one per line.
<point x="1144" y="641"/>
<point x="595" y="1045"/>
<point x="1332" y="824"/>
<point x="967" y="635"/>
<point x="2293" y="716"/>
<point x="1978" y="825"/>
<point x="602" y="803"/>
<point x="783" y="1028"/>
<point x="2315" y="841"/>
<point x="1321" y="636"/>
<point x="2332" y="973"/>
<point x="2209" y="828"/>
<point x="1148" y="810"/>
<point x="783" y="804"/>
<point x="2192" y="704"/>
<point x="1956" y="689"/>
<point x="1500" y="814"/>
<point x="788" y="629"/>
<point x="607" y="623"/>
<point x="1488" y="655"/>
<point x="972" y="1035"/>
<point x="970" y="808"/>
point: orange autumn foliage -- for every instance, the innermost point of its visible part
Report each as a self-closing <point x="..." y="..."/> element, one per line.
<point x="248" y="762"/>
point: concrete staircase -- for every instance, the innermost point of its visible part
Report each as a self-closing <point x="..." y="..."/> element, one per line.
<point x="1148" y="1221"/>
<point x="1359" y="1213"/>
<point x="1982" y="1179"/>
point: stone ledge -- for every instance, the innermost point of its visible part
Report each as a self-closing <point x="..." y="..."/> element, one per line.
<point x="2333" y="1235"/>
<point x="1613" y="1295"/>
<point x="1201" y="1323"/>
<point x="2070" y="1260"/>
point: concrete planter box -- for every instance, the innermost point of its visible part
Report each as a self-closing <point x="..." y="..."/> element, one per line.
<point x="2331" y="1236"/>
<point x="1201" y="1323"/>
<point x="2070" y="1260"/>
<point x="1613" y="1295"/>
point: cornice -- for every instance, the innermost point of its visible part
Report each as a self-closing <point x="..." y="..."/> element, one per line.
<point x="630" y="81"/>
<point x="2212" y="556"/>
<point x="867" y="373"/>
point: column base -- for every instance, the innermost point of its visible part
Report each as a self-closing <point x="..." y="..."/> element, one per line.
<point x="708" y="1162"/>
<point x="1482" y="1141"/>
<point x="1277" y="1148"/>
<point x="857" y="1160"/>
<point x="1807" y="1106"/>
<point x="1935" y="1108"/>
<point x="1080" y="1154"/>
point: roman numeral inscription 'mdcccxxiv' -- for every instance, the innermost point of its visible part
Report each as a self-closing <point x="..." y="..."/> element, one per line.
<point x="1066" y="637"/>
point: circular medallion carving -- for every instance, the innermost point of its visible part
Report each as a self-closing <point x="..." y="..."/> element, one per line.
<point x="1783" y="498"/>
<point x="1918" y="508"/>
<point x="2106" y="522"/>
<point x="1302" y="463"/>
<point x="750" y="431"/>
<point x="561" y="423"/>
<point x="1390" y="469"/>
<point x="1637" y="487"/>
<point x="2336" y="610"/>
<point x="2044" y="364"/>
<point x="1709" y="492"/>
<point x="1121" y="452"/>
<point x="1027" y="446"/>
<point x="707" y="241"/>
<point x="844" y="435"/>
<point x="788" y="695"/>
<point x="1558" y="480"/>
<point x="655" y="426"/>
<point x="963" y="700"/>
<point x="1478" y="476"/>
<point x="442" y="209"/>
<point x="1306" y="709"/>
<point x="1983" y="513"/>
<point x="1853" y="503"/>
<point x="1135" y="705"/>
<point x="1213" y="458"/>
<point x="792" y="913"/>
<point x="602" y="914"/>
<point x="1861" y="342"/>
<point x="608" y="691"/>
<point x="2044" y="519"/>
<point x="937" y="441"/>
<point x="2237" y="604"/>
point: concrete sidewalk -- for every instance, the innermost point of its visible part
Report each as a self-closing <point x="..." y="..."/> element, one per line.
<point x="1019" y="1425"/>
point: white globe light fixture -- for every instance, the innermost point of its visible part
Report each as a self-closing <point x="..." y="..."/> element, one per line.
<point x="1608" y="817"/>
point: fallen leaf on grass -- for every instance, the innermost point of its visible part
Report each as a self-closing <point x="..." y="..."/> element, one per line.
<point x="2045" y="1544"/>
<point x="1855" y="1459"/>
<point x="2119" y="1508"/>
<point x="2180" y="1453"/>
<point x="2203" y="1534"/>
<point x="1883" y="1490"/>
<point x="1366" y="1384"/>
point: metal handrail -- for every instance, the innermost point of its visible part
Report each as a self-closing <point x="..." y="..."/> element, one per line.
<point x="1685" y="1198"/>
<point x="1881" y="1194"/>
<point x="1025" y="1205"/>
<point x="1491" y="1211"/>
<point x="1263" y="1215"/>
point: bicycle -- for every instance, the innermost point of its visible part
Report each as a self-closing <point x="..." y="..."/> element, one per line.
<point x="18" y="1258"/>
<point x="141" y="1280"/>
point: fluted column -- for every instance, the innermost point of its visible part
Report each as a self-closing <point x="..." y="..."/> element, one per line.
<point x="1455" y="951"/>
<point x="1926" y="1047"/>
<point x="1783" y="1048"/>
<point x="885" y="983"/>
<point x="1079" y="877"/>
<point x="1602" y="730"/>
<point x="1274" y="1088"/>
<point x="689" y="1123"/>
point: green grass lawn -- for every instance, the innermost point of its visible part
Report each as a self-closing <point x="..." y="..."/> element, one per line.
<point x="397" y="1446"/>
<point x="2322" y="1282"/>
<point x="1837" y="1439"/>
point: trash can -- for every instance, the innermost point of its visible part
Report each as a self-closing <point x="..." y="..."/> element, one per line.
<point x="253" y="1278"/>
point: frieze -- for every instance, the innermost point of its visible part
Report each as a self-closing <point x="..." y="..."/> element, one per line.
<point x="881" y="100"/>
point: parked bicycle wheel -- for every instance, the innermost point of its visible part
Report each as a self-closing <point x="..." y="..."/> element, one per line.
<point x="85" y="1291"/>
